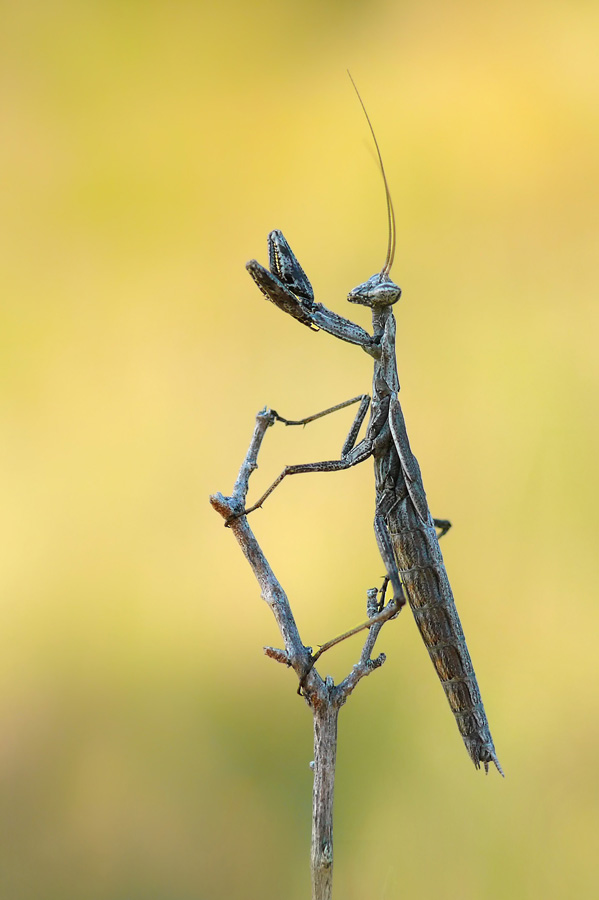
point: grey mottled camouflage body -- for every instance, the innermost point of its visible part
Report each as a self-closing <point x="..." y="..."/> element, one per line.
<point x="401" y="502"/>
<point x="404" y="528"/>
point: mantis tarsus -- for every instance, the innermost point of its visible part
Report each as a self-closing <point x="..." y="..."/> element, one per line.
<point x="404" y="527"/>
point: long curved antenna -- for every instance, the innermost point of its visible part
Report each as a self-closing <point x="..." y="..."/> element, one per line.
<point x="390" y="211"/>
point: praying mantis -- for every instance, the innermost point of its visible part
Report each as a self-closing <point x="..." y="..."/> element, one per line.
<point x="406" y="532"/>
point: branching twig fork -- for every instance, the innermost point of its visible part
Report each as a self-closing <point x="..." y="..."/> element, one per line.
<point x="322" y="696"/>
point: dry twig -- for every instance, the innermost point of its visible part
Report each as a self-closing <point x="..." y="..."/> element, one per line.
<point x="322" y="696"/>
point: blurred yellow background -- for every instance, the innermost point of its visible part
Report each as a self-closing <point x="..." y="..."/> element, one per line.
<point x="147" y="747"/>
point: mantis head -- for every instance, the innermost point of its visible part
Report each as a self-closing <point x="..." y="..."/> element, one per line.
<point x="378" y="291"/>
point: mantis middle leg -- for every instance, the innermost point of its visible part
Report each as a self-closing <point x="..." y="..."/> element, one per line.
<point x="351" y="453"/>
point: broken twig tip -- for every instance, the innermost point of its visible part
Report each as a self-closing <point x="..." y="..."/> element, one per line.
<point x="278" y="655"/>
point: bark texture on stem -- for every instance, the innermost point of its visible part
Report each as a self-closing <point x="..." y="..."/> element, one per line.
<point x="326" y="715"/>
<point x="322" y="696"/>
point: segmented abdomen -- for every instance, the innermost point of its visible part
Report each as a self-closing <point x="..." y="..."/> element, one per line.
<point x="423" y="574"/>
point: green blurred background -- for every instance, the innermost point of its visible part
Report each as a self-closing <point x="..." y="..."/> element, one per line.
<point x="147" y="747"/>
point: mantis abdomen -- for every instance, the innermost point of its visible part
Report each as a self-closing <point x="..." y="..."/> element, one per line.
<point x="429" y="594"/>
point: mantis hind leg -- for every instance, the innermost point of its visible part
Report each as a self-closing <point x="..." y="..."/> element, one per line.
<point x="383" y="539"/>
<point x="443" y="525"/>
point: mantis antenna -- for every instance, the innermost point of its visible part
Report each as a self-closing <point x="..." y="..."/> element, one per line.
<point x="390" y="211"/>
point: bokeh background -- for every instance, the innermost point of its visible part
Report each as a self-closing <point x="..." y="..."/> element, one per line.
<point x="148" y="749"/>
